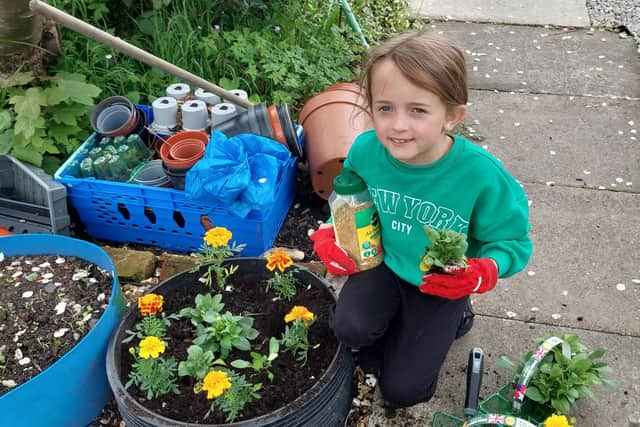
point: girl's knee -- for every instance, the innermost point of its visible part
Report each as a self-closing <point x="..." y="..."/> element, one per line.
<point x="353" y="331"/>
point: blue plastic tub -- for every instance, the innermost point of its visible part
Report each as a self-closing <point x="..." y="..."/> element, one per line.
<point x="73" y="390"/>
<point x="165" y="217"/>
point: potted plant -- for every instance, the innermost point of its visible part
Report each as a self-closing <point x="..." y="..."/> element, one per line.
<point x="236" y="340"/>
<point x="558" y="373"/>
<point x="446" y="251"/>
<point x="68" y="303"/>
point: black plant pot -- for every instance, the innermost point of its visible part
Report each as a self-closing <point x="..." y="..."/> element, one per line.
<point x="326" y="403"/>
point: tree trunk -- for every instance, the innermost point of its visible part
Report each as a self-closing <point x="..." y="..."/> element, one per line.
<point x="21" y="31"/>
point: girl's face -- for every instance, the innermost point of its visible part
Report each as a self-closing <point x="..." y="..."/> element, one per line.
<point x="410" y="121"/>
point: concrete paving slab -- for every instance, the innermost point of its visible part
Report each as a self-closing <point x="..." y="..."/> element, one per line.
<point x="585" y="247"/>
<point x="499" y="337"/>
<point x="573" y="141"/>
<point x="546" y="60"/>
<point x="572" y="13"/>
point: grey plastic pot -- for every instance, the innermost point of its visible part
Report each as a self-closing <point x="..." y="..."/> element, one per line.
<point x="325" y="404"/>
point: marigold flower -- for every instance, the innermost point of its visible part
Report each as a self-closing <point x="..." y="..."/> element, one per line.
<point x="150" y="304"/>
<point x="279" y="259"/>
<point x="151" y="347"/>
<point x="217" y="236"/>
<point x="215" y="383"/>
<point x="556" y="420"/>
<point x="299" y="312"/>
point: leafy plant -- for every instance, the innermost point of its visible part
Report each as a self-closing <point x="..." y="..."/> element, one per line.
<point x="150" y="326"/>
<point x="215" y="250"/>
<point x="447" y="249"/>
<point x="561" y="381"/>
<point x="234" y="399"/>
<point x="44" y="124"/>
<point x="225" y="332"/>
<point x="207" y="309"/>
<point x="198" y="362"/>
<point x="283" y="284"/>
<point x="150" y="372"/>
<point x="260" y="362"/>
<point x="296" y="337"/>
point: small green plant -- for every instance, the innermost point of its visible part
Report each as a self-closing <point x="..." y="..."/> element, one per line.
<point x="225" y="332"/>
<point x="261" y="362"/>
<point x="150" y="372"/>
<point x="44" y="124"/>
<point x="283" y="284"/>
<point x="207" y="309"/>
<point x="447" y="249"/>
<point x="296" y="337"/>
<point x="560" y="381"/>
<point x="198" y="362"/>
<point x="214" y="251"/>
<point x="231" y="391"/>
<point x="150" y="306"/>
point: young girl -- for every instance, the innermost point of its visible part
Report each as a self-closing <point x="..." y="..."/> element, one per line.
<point x="402" y="320"/>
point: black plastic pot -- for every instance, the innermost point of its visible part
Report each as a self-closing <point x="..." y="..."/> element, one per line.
<point x="326" y="403"/>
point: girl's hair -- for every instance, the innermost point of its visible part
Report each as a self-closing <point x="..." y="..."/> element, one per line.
<point x="427" y="60"/>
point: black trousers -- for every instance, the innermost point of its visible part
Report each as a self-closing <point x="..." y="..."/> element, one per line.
<point x="409" y="332"/>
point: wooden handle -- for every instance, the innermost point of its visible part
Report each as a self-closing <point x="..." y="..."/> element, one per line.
<point x="132" y="51"/>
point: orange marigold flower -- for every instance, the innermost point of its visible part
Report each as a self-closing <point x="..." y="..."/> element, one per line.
<point x="215" y="383"/>
<point x="279" y="259"/>
<point x="217" y="236"/>
<point x="150" y="304"/>
<point x="299" y="312"/>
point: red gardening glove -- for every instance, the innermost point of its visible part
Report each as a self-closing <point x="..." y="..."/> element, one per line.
<point x="480" y="275"/>
<point x="333" y="256"/>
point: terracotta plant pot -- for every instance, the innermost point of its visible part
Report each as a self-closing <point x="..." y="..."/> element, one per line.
<point x="331" y="121"/>
<point x="186" y="137"/>
<point x="187" y="150"/>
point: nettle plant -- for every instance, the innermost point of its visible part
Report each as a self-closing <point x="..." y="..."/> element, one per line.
<point x="44" y="124"/>
<point x="559" y="380"/>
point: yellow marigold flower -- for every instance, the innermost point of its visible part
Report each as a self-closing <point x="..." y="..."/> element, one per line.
<point x="557" y="421"/>
<point x="279" y="259"/>
<point x="217" y="236"/>
<point x="150" y="304"/>
<point x="299" y="312"/>
<point x="215" y="383"/>
<point x="151" y="347"/>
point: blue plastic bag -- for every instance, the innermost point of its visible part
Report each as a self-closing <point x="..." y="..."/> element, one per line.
<point x="240" y="172"/>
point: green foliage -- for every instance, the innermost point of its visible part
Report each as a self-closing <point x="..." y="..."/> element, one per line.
<point x="559" y="381"/>
<point x="198" y="362"/>
<point x="283" y="285"/>
<point x="380" y="19"/>
<point x="260" y="362"/>
<point x="447" y="248"/>
<point x="44" y="124"/>
<point x="233" y="400"/>
<point x="151" y="325"/>
<point x="207" y="309"/>
<point x="295" y="339"/>
<point x="215" y="256"/>
<point x="225" y="332"/>
<point x="156" y="376"/>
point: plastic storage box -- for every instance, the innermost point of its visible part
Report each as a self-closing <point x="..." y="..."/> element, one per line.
<point x="30" y="200"/>
<point x="164" y="217"/>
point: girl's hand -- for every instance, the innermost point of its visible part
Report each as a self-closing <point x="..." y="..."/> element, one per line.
<point x="334" y="258"/>
<point x="480" y="275"/>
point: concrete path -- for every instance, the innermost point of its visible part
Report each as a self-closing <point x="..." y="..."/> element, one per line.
<point x="561" y="109"/>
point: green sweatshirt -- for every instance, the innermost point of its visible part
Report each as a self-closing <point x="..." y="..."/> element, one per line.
<point x="467" y="190"/>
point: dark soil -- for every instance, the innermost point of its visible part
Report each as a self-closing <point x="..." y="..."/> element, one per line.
<point x="30" y="289"/>
<point x="248" y="298"/>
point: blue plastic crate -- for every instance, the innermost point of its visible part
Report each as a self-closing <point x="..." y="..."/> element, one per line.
<point x="164" y="217"/>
